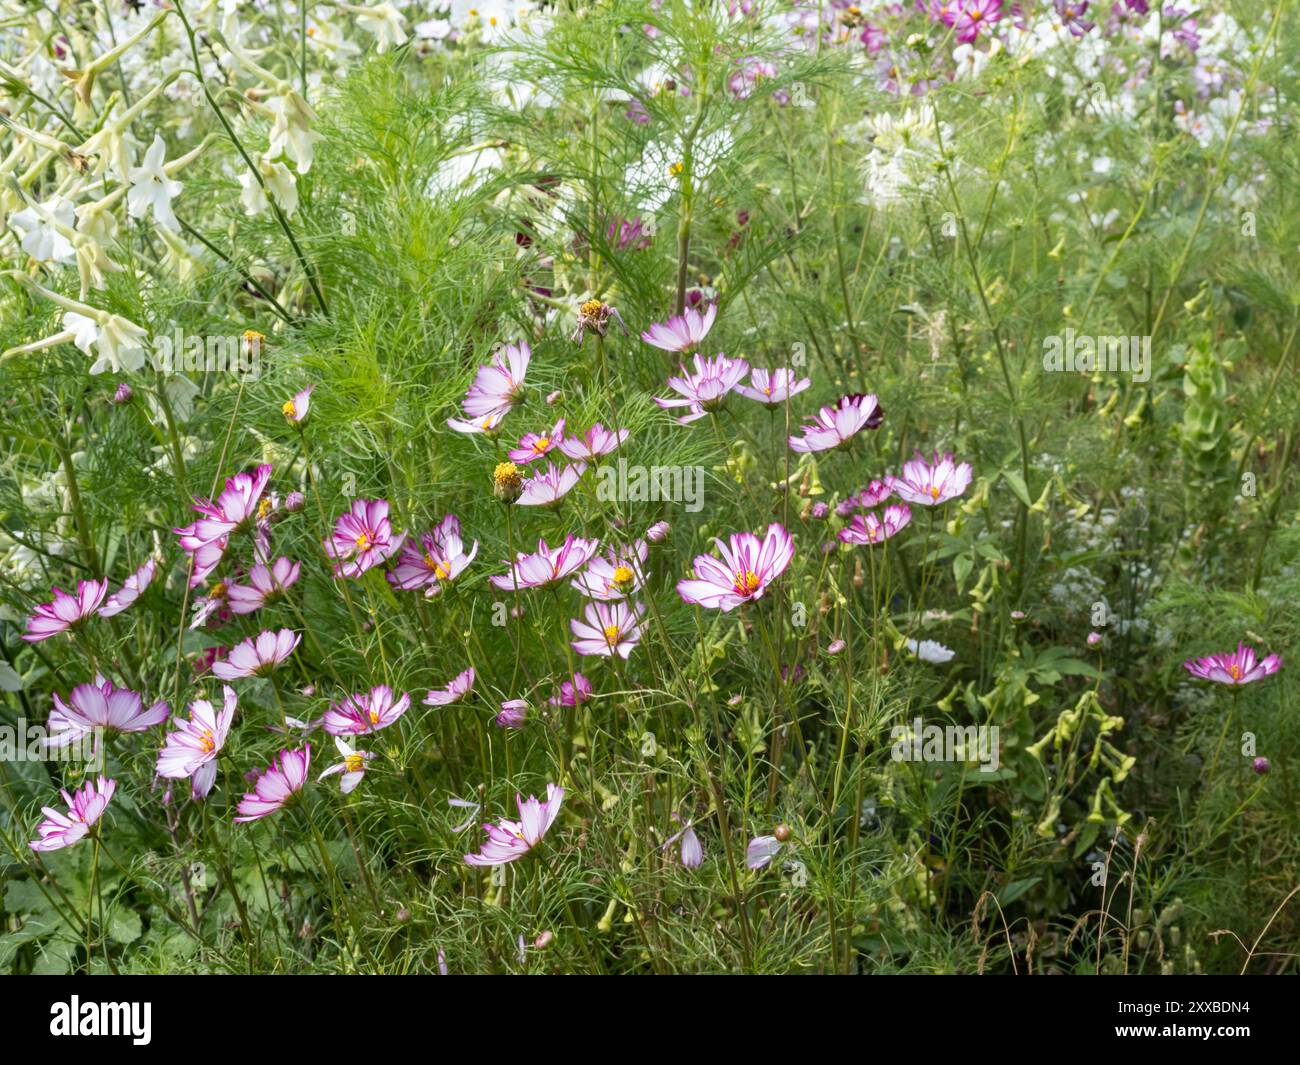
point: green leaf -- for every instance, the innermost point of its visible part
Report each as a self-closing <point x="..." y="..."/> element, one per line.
<point x="1018" y="486"/>
<point x="124" y="925"/>
<point x="1012" y="891"/>
<point x="961" y="567"/>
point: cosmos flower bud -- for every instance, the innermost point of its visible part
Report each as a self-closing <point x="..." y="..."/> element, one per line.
<point x="1094" y="638"/>
<point x="513" y="714"/>
<point x="1261" y="766"/>
<point x="658" y="532"/>
<point x="507" y="482"/>
<point x="294" y="502"/>
<point x="403" y="915"/>
<point x="123" y="394"/>
<point x="782" y="832"/>
<point x="819" y="511"/>
<point x="554" y="398"/>
<point x="544" y="940"/>
<point x="836" y="647"/>
<point x="297" y="409"/>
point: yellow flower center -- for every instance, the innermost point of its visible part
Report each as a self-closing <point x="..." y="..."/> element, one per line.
<point x="363" y="542"/>
<point x="541" y="444"/>
<point x="354" y="763"/>
<point x="218" y="591"/>
<point x="374" y="716"/>
<point x="676" y="169"/>
<point x="1234" y="671"/>
<point x="290" y="411"/>
<point x="591" y="308"/>
<point x="207" y="742"/>
<point x="611" y="634"/>
<point x="264" y="508"/>
<point x="442" y="571"/>
<point x="622" y="575"/>
<point x="934" y="491"/>
<point x="746" y="582"/>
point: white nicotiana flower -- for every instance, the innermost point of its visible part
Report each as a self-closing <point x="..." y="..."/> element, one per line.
<point x="291" y="131"/>
<point x="41" y="225"/>
<point x="324" y="35"/>
<point x="383" y="22"/>
<point x="279" y="180"/>
<point x="117" y="342"/>
<point x="151" y="188"/>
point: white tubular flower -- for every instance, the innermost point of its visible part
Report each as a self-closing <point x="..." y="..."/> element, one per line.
<point x="113" y="144"/>
<point x="179" y="261"/>
<point x="116" y="342"/>
<point x="279" y="181"/>
<point x="46" y="228"/>
<point x="291" y="132"/>
<point x="151" y="188"/>
<point x="92" y="263"/>
<point x="383" y="22"/>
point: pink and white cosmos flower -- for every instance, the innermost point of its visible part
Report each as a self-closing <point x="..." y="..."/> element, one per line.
<point x="871" y="529"/>
<point x="932" y="483"/>
<point x="872" y="496"/>
<point x="534" y="446"/>
<point x="65" y="611"/>
<point x="237" y="508"/>
<point x="619" y="573"/>
<point x="547" y="489"/>
<point x="101" y="706"/>
<point x="974" y="16"/>
<point x="296" y="410"/>
<point x="1241" y="666"/>
<point x="258" y="655"/>
<point x="365" y="712"/>
<point x="773" y="387"/>
<point x="572" y="692"/>
<point x="499" y="385"/>
<point x="461" y="686"/>
<point x="85" y="808"/>
<point x="276" y="785"/>
<point x="265" y="583"/>
<point x="132" y="588"/>
<point x="191" y="749"/>
<point x="836" y="426"/>
<point x="353" y="766"/>
<point x="488" y="425"/>
<point x="510" y="840"/>
<point x="435" y="561"/>
<point x="682" y="333"/>
<point x="706" y="389"/>
<point x="609" y="629"/>
<point x="595" y="443"/>
<point x="747" y="567"/>
<point x="546" y="566"/>
<point x="362" y="538"/>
